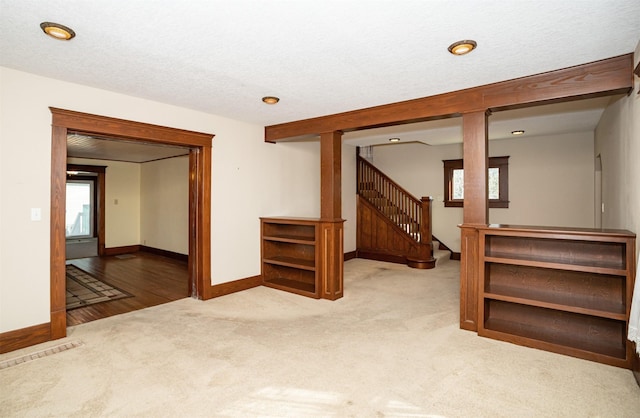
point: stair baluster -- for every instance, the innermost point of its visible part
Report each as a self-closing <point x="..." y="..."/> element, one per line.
<point x="408" y="216"/>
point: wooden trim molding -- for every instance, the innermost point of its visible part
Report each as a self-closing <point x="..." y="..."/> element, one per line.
<point x="58" y="236"/>
<point x="65" y="121"/>
<point x="165" y="253"/>
<point x="350" y="255"/>
<point x="637" y="72"/>
<point x="600" y="78"/>
<point x="125" y="249"/>
<point x="387" y="258"/>
<point x="136" y="131"/>
<point x="442" y="246"/>
<point x="469" y="277"/>
<point x="223" y="289"/>
<point x="501" y="163"/>
<point x="24" y="337"/>
<point x="100" y="183"/>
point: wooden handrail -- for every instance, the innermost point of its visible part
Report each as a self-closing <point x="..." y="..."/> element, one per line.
<point x="409" y="213"/>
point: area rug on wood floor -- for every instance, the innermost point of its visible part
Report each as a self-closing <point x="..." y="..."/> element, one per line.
<point x="83" y="289"/>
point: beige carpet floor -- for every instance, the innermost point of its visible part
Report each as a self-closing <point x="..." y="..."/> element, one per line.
<point x="390" y="348"/>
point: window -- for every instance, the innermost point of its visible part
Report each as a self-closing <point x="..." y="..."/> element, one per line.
<point x="79" y="213"/>
<point x="498" y="180"/>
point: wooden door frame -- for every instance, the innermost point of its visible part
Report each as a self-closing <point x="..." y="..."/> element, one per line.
<point x="64" y="121"/>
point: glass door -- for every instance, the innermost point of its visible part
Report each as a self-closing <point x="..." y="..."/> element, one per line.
<point x="80" y="208"/>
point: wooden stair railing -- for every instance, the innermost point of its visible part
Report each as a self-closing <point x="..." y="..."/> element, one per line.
<point x="393" y="225"/>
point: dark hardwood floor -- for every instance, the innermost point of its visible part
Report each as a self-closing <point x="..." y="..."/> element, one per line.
<point x="150" y="278"/>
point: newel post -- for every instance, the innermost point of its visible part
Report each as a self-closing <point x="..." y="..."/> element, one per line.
<point x="425" y="258"/>
<point x="425" y="225"/>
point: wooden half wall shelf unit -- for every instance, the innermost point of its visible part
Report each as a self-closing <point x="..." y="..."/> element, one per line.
<point x="300" y="255"/>
<point x="565" y="290"/>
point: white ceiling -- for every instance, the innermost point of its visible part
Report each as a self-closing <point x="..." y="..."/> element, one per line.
<point x="320" y="57"/>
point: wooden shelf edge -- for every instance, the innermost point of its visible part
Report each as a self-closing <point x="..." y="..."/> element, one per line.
<point x="290" y="262"/>
<point x="533" y="231"/>
<point x="292" y="286"/>
<point x="556" y="306"/>
<point x="289" y="220"/>
<point x="291" y="239"/>
<point x="597" y="356"/>
<point x="555" y="265"/>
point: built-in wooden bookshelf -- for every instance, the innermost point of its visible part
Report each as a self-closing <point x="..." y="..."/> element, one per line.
<point x="298" y="256"/>
<point x="566" y="290"/>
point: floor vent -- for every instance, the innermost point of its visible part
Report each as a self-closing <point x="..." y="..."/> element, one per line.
<point x="39" y="354"/>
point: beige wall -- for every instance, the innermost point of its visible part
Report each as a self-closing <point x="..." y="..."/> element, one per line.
<point x="250" y="178"/>
<point x="550" y="180"/>
<point x="617" y="141"/>
<point x="418" y="169"/>
<point x="349" y="196"/>
<point x="146" y="203"/>
<point x="122" y="184"/>
<point x="164" y="204"/>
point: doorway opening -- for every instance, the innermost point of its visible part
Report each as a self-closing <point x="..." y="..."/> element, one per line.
<point x="599" y="209"/>
<point x="84" y="223"/>
<point x="199" y="144"/>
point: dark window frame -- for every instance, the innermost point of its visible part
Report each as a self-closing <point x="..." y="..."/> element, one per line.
<point x="501" y="163"/>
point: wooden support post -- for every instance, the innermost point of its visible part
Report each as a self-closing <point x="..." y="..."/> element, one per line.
<point x="476" y="212"/>
<point x="476" y="162"/>
<point x="331" y="175"/>
<point x="331" y="215"/>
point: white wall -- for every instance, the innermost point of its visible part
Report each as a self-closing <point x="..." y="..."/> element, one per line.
<point x="122" y="184"/>
<point x="164" y="204"/>
<point x="550" y="180"/>
<point x="250" y="178"/>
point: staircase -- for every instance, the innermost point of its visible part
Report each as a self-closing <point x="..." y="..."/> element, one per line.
<point x="393" y="225"/>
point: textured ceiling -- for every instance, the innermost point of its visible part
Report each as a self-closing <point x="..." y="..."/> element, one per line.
<point x="319" y="57"/>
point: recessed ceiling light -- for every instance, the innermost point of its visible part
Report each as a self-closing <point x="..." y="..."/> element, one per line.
<point x="394" y="139"/>
<point x="519" y="132"/>
<point x="270" y="100"/>
<point x="57" y="31"/>
<point x="462" y="47"/>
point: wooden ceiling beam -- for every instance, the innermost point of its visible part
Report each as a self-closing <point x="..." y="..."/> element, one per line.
<point x="600" y="78"/>
<point x="89" y="124"/>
